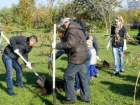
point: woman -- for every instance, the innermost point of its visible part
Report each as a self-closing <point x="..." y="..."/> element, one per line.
<point x="118" y="39"/>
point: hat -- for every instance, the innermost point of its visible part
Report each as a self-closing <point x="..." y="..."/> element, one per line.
<point x="65" y="20"/>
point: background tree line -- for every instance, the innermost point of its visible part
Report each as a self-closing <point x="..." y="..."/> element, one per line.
<point x="98" y="14"/>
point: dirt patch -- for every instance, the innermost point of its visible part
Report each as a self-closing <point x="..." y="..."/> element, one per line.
<point x="126" y="52"/>
<point x="105" y="66"/>
<point x="47" y="89"/>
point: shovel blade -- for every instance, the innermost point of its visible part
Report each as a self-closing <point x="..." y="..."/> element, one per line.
<point x="105" y="64"/>
<point x="41" y="81"/>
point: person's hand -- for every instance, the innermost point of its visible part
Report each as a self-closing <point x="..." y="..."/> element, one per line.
<point x="124" y="48"/>
<point x="98" y="58"/>
<point x="54" y="45"/>
<point x="28" y="64"/>
<point x="50" y="58"/>
<point x="16" y="51"/>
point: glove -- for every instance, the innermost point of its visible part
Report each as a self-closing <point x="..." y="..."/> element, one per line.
<point x="98" y="58"/>
<point x="53" y="45"/>
<point x="16" y="51"/>
<point x="28" y="64"/>
<point x="124" y="48"/>
<point x="50" y="58"/>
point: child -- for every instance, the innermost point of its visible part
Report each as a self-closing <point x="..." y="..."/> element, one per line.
<point x="93" y="61"/>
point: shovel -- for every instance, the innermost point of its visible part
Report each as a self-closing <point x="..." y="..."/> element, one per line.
<point x="105" y="63"/>
<point x="41" y="80"/>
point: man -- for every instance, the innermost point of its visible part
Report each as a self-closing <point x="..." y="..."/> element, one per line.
<point x="75" y="47"/>
<point x="22" y="45"/>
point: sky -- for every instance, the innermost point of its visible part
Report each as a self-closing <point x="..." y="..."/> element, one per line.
<point x="8" y="3"/>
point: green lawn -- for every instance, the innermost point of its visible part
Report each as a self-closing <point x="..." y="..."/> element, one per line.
<point x="105" y="90"/>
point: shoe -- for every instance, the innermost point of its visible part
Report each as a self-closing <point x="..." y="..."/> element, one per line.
<point x="116" y="74"/>
<point x="91" y="78"/>
<point x="87" y="101"/>
<point x="77" y="91"/>
<point x="12" y="93"/>
<point x="69" y="101"/>
<point x="23" y="86"/>
<point x="122" y="70"/>
<point x="97" y="75"/>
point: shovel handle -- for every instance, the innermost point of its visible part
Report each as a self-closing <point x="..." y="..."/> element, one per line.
<point x="5" y="37"/>
<point x="32" y="68"/>
<point x="26" y="63"/>
<point x="99" y="59"/>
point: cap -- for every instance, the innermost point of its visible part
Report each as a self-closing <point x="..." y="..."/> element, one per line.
<point x="65" y="20"/>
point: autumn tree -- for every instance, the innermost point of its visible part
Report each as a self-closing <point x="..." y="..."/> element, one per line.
<point x="15" y="14"/>
<point x="98" y="12"/>
<point x="26" y="10"/>
<point x="6" y="15"/>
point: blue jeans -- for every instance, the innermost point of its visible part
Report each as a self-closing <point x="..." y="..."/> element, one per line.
<point x="9" y="65"/>
<point x="93" y="71"/>
<point x="69" y="77"/>
<point x="116" y="51"/>
<point x="88" y="73"/>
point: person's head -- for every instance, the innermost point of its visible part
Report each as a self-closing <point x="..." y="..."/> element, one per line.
<point x="74" y="19"/>
<point x="81" y="19"/>
<point x="61" y="32"/>
<point x="65" y="22"/>
<point x="119" y="21"/>
<point x="32" y="40"/>
<point x="91" y="38"/>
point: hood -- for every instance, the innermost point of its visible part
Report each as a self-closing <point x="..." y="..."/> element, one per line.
<point x="74" y="25"/>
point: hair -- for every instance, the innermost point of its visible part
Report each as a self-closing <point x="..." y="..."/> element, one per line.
<point x="120" y="19"/>
<point x="34" y="38"/>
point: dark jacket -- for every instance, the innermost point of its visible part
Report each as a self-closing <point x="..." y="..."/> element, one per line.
<point x="74" y="44"/>
<point x="122" y="34"/>
<point x="138" y="36"/>
<point x="18" y="42"/>
<point x="83" y="25"/>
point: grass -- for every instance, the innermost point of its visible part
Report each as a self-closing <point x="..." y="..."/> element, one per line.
<point x="105" y="90"/>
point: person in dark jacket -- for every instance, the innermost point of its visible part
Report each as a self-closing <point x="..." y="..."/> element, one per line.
<point x="138" y="36"/>
<point x="83" y="24"/>
<point x="75" y="47"/>
<point x="22" y="45"/>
